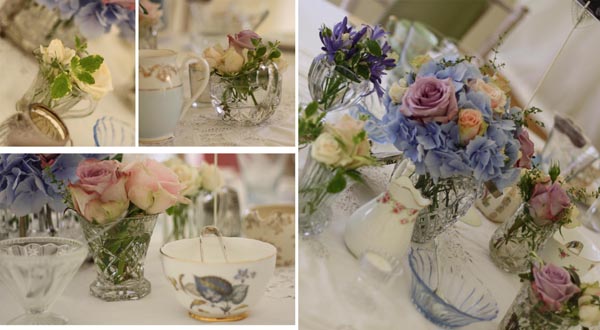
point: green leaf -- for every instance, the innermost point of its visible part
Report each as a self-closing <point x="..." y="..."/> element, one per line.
<point x="118" y="158"/>
<point x="261" y="51"/>
<point x="374" y="47"/>
<point x="275" y="54"/>
<point x="363" y="71"/>
<point x="355" y="175"/>
<point x="312" y="108"/>
<point x="91" y="63"/>
<point x="86" y="77"/>
<point x="337" y="184"/>
<point x="61" y="86"/>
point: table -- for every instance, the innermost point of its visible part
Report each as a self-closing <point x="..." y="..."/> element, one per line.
<point x="160" y="306"/>
<point x="327" y="268"/>
<point x="202" y="127"/>
<point x="18" y="72"/>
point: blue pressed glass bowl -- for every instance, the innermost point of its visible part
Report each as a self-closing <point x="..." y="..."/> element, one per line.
<point x="447" y="295"/>
<point x="112" y="132"/>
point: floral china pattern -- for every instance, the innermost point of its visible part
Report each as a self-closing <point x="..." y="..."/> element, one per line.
<point x="397" y="207"/>
<point x="216" y="292"/>
<point x="164" y="72"/>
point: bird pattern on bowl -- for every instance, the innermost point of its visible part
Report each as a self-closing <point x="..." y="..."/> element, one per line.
<point x="215" y="292"/>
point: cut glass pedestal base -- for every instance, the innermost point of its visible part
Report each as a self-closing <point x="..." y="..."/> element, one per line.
<point x="39" y="319"/>
<point x="128" y="290"/>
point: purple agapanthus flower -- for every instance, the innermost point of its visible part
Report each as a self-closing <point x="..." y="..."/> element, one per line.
<point x="365" y="52"/>
<point x="94" y="17"/>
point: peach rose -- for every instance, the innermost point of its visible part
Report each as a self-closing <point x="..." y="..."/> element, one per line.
<point x="153" y="187"/>
<point x="470" y="125"/>
<point x="497" y="96"/>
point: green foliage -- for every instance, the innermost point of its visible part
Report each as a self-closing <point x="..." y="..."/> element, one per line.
<point x="310" y="123"/>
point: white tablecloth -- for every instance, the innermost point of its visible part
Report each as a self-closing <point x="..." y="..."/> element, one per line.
<point x="160" y="306"/>
<point x="202" y="127"/>
<point x="19" y="71"/>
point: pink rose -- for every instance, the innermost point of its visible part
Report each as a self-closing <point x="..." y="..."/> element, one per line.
<point x="470" y="125"/>
<point x="430" y="99"/>
<point x="127" y="4"/>
<point x="547" y="202"/>
<point x="153" y="187"/>
<point x="527" y="150"/>
<point x="553" y="286"/>
<point x="243" y="40"/>
<point x="100" y="194"/>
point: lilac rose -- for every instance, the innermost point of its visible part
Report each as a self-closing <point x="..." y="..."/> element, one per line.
<point x="547" y="202"/>
<point x="553" y="286"/>
<point x="430" y="99"/>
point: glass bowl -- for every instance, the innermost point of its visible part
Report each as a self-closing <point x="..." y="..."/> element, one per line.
<point x="36" y="271"/>
<point x="112" y="132"/>
<point x="455" y="299"/>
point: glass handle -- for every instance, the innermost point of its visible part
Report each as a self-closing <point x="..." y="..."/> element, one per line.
<point x="184" y="58"/>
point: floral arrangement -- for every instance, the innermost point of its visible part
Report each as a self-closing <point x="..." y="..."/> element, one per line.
<point x="555" y="292"/>
<point x="357" y="54"/>
<point x="453" y="119"/>
<point x="28" y="182"/>
<point x="342" y="147"/>
<point x="547" y="203"/>
<point x="108" y="190"/>
<point x="94" y="17"/>
<point x="196" y="181"/>
<point x="71" y="71"/>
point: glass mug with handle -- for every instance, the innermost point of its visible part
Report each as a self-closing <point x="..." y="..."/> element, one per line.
<point x="161" y="96"/>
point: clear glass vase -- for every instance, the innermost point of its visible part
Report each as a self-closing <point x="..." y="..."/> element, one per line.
<point x="313" y="197"/>
<point x="40" y="92"/>
<point x="524" y="314"/>
<point x="248" y="98"/>
<point x="28" y="25"/>
<point x="451" y="198"/>
<point x="335" y="87"/>
<point x="512" y="243"/>
<point x="119" y="251"/>
<point x="183" y="222"/>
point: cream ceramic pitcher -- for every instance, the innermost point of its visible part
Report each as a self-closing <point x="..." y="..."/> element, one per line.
<point x="385" y="224"/>
<point x="161" y="99"/>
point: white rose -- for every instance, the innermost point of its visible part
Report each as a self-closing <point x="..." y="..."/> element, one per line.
<point x="232" y="61"/>
<point x="188" y="175"/>
<point x="57" y="51"/>
<point x="497" y="96"/>
<point x="346" y="128"/>
<point x="211" y="177"/>
<point x="102" y="84"/>
<point x="397" y="90"/>
<point x="326" y="150"/>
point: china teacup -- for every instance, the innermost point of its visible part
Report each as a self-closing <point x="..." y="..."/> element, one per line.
<point x="161" y="98"/>
<point x="573" y="248"/>
<point x="273" y="224"/>
<point x="211" y="288"/>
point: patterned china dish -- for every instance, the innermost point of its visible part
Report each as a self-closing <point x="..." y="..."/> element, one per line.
<point x="211" y="288"/>
<point x="573" y="248"/>
<point x="273" y="224"/>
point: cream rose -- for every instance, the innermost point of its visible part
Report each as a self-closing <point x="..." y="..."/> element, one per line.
<point x="232" y="61"/>
<point x="352" y="155"/>
<point x="589" y="313"/>
<point x="397" y="90"/>
<point x="497" y="96"/>
<point x="327" y="150"/>
<point x="189" y="176"/>
<point x="57" y="51"/>
<point x="102" y="84"/>
<point x="211" y="177"/>
<point x="214" y="56"/>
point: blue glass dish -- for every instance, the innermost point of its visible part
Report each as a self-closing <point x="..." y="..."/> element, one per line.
<point x="112" y="132"/>
<point x="447" y="294"/>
